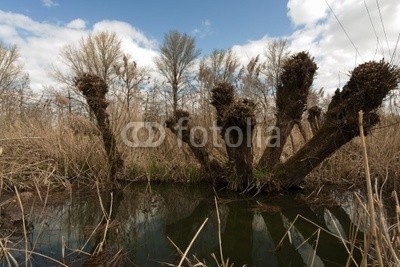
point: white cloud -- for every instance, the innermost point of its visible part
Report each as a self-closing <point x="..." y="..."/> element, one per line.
<point x="335" y="52"/>
<point x="49" y="3"/>
<point x="250" y="50"/>
<point x="78" y="24"/>
<point x="125" y="30"/>
<point x="320" y="33"/>
<point x="40" y="42"/>
<point x="306" y="11"/>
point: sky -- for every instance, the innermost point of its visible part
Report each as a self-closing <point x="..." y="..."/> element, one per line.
<point x="339" y="33"/>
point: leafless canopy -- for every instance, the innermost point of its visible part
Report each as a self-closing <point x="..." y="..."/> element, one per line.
<point x="96" y="54"/>
<point x="220" y="66"/>
<point x="276" y="53"/>
<point x="129" y="77"/>
<point x="177" y="54"/>
<point x="10" y="70"/>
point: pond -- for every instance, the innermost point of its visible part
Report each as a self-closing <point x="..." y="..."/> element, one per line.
<point x="145" y="227"/>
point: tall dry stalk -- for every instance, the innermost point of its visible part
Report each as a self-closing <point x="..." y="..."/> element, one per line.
<point x="371" y="200"/>
<point x="384" y="238"/>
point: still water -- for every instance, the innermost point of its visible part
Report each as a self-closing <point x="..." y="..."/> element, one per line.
<point x="143" y="224"/>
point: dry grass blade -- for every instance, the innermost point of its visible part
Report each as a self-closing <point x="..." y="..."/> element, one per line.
<point x="24" y="226"/>
<point x="81" y="250"/>
<point x="385" y="236"/>
<point x="287" y="233"/>
<point x="178" y="249"/>
<point x="107" y="217"/>
<point x="316" y="246"/>
<point x="342" y="240"/>
<point x="308" y="239"/>
<point x="219" y="233"/>
<point x="41" y="255"/>
<point x="6" y="254"/>
<point x="191" y="243"/>
<point x="298" y="216"/>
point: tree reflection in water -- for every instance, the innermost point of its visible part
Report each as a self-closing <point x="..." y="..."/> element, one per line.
<point x="141" y="222"/>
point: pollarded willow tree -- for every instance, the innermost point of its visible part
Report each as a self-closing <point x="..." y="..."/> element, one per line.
<point x="292" y="90"/>
<point x="368" y="85"/>
<point x="96" y="66"/>
<point x="97" y="54"/>
<point x="101" y="54"/>
<point x="94" y="89"/>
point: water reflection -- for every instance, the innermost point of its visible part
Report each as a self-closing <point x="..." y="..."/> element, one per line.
<point x="263" y="244"/>
<point x="141" y="224"/>
<point x="306" y="251"/>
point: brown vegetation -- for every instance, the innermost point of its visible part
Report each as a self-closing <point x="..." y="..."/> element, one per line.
<point x="74" y="136"/>
<point x="112" y="101"/>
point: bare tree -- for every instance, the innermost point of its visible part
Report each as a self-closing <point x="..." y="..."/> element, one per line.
<point x="152" y="103"/>
<point x="14" y="83"/>
<point x="178" y="53"/>
<point x="220" y="66"/>
<point x="255" y="85"/>
<point x="276" y="53"/>
<point x="96" y="54"/>
<point x="129" y="78"/>
<point x="10" y="70"/>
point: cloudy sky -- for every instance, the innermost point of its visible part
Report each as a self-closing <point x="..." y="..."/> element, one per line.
<point x="338" y="33"/>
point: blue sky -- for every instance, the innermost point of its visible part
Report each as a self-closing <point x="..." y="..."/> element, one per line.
<point x="216" y="24"/>
<point x="41" y="28"/>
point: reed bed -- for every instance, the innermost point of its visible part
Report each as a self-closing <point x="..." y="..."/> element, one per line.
<point x="62" y="149"/>
<point x="346" y="166"/>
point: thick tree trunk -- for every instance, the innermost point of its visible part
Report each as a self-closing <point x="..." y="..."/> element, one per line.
<point x="174" y="98"/>
<point x="239" y="123"/>
<point x="182" y="128"/>
<point x="369" y="84"/>
<point x="94" y="89"/>
<point x="276" y="143"/>
<point x="327" y="140"/>
<point x="236" y="120"/>
<point x="114" y="158"/>
<point x="242" y="165"/>
<point x="321" y="146"/>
